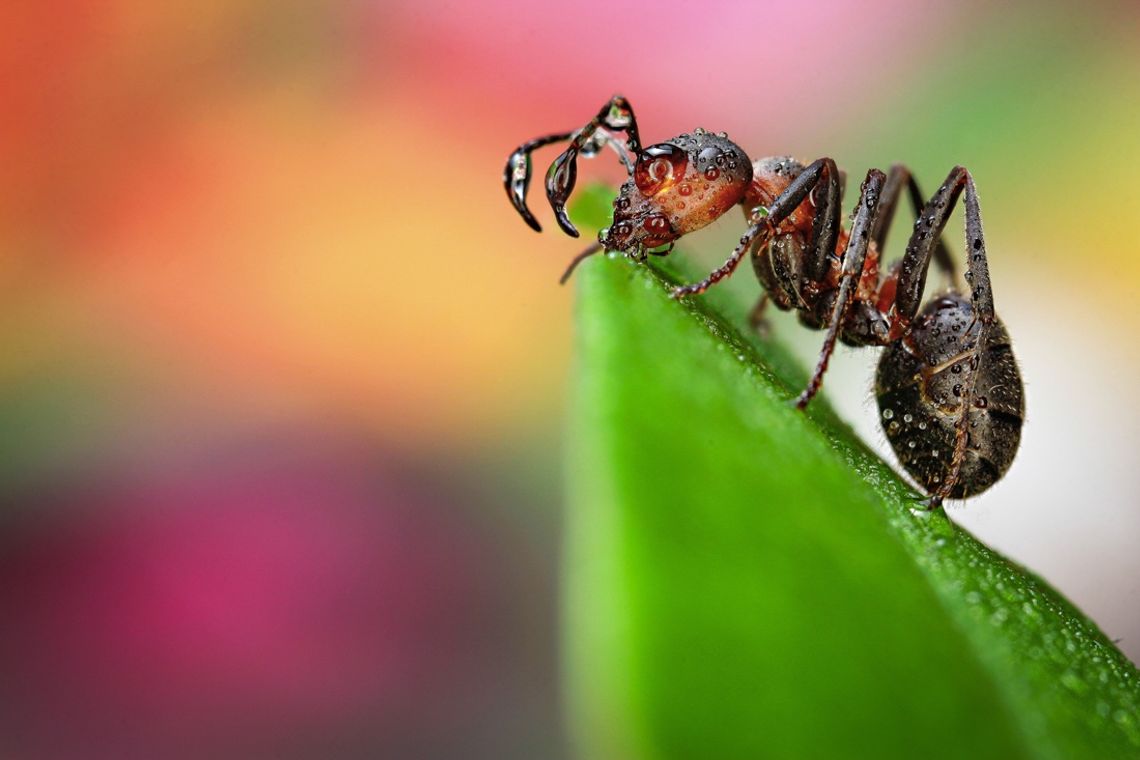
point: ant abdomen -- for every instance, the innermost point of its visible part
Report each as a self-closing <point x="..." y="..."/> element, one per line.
<point x="923" y="384"/>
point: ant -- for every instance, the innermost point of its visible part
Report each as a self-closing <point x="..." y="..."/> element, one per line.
<point x="948" y="388"/>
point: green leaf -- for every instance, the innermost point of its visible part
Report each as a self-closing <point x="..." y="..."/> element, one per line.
<point x="744" y="580"/>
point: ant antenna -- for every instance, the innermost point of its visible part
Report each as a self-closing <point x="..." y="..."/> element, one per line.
<point x="594" y="248"/>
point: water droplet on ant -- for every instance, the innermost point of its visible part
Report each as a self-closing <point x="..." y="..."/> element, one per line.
<point x="910" y="444"/>
<point x="684" y="188"/>
<point x="888" y="414"/>
<point x="908" y="418"/>
<point x="712" y="173"/>
<point x="658" y="166"/>
<point x="981" y="402"/>
<point x="957" y="389"/>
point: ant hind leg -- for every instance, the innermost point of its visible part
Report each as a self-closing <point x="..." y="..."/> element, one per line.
<point x="911" y="283"/>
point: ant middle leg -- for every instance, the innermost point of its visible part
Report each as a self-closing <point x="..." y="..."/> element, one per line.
<point x="853" y="258"/>
<point x="756" y="319"/>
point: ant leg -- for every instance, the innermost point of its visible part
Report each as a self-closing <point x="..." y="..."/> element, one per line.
<point x="982" y="300"/>
<point x="756" y="319"/>
<point x="897" y="176"/>
<point x="853" y="258"/>
<point x="825" y="228"/>
<point x="912" y="279"/>
<point x="615" y="115"/>
<point x="923" y="241"/>
<point x="757" y="232"/>
<point x="826" y="225"/>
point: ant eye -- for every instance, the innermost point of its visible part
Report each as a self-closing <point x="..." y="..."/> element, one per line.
<point x="622" y="230"/>
<point x="658" y="167"/>
<point x="658" y="229"/>
<point x="656" y="224"/>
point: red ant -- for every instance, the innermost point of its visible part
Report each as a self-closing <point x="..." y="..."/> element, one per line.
<point x="948" y="387"/>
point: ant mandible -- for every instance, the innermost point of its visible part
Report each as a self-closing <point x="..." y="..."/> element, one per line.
<point x="949" y="391"/>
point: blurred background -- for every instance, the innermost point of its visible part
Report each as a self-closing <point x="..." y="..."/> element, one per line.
<point x="282" y="374"/>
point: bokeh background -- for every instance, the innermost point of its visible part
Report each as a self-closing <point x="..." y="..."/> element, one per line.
<point x="282" y="375"/>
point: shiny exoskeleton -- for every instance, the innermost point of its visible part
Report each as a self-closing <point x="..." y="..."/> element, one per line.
<point x="949" y="392"/>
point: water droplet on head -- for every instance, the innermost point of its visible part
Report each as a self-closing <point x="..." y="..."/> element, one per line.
<point x="658" y="167"/>
<point x="908" y="418"/>
<point x="888" y="414"/>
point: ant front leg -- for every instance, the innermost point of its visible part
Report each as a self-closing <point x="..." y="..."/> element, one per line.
<point x="825" y="227"/>
<point x="757" y="233"/>
<point x="756" y="319"/>
<point x="853" y="258"/>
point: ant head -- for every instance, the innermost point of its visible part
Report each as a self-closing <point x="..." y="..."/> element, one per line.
<point x="677" y="187"/>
